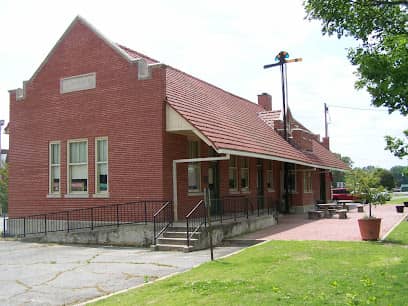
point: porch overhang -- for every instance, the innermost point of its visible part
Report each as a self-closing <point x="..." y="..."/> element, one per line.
<point x="176" y="124"/>
<point x="276" y="158"/>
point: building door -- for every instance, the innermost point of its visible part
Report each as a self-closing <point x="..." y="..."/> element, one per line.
<point x="260" y="184"/>
<point x="323" y="187"/>
<point x="214" y="187"/>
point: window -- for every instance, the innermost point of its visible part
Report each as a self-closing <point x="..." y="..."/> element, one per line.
<point x="244" y="171"/>
<point x="233" y="174"/>
<point x="307" y="182"/>
<point x="77" y="166"/>
<point x="55" y="168"/>
<point x="101" y="165"/>
<point x="291" y="177"/>
<point x="269" y="176"/>
<point x="194" y="169"/>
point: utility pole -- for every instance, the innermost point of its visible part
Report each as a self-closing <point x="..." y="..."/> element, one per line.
<point x="282" y="59"/>
<point x="326" y="110"/>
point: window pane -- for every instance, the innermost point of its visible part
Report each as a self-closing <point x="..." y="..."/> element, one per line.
<point x="55" y="178"/>
<point x="269" y="179"/>
<point x="233" y="178"/>
<point x="102" y="147"/>
<point x="244" y="179"/>
<point x="194" y="177"/>
<point x="77" y="152"/>
<point x="102" y="177"/>
<point x="55" y="156"/>
<point x="193" y="149"/>
<point x="79" y="177"/>
<point x="233" y="161"/>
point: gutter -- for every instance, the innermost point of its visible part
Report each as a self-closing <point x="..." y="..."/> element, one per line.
<point x="191" y="160"/>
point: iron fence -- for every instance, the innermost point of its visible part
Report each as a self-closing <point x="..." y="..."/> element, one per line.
<point x="84" y="218"/>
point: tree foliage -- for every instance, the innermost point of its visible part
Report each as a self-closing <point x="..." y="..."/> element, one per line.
<point x="339" y="176"/>
<point x="400" y="174"/>
<point x="4" y="188"/>
<point x="397" y="146"/>
<point x="381" y="57"/>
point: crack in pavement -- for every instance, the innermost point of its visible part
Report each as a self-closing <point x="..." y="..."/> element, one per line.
<point x="27" y="287"/>
<point x="137" y="263"/>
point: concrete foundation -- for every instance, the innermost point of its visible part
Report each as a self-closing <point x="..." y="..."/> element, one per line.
<point x="124" y="235"/>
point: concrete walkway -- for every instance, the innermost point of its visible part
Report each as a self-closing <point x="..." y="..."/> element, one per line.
<point x="298" y="227"/>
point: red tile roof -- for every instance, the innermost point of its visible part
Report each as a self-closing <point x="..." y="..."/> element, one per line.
<point x="230" y="122"/>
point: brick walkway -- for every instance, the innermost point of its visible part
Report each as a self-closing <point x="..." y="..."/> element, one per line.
<point x="298" y="227"/>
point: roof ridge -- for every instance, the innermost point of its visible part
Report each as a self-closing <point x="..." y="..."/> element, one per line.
<point x="141" y="54"/>
<point x="214" y="86"/>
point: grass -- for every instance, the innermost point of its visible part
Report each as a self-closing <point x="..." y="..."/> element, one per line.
<point x="397" y="201"/>
<point x="399" y="235"/>
<point x="287" y="273"/>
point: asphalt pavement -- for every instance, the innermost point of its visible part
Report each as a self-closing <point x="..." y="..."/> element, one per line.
<point x="51" y="274"/>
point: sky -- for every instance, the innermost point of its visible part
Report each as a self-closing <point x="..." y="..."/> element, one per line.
<point x="225" y="43"/>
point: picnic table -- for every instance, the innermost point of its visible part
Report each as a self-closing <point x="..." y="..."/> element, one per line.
<point x="344" y="202"/>
<point x="328" y="208"/>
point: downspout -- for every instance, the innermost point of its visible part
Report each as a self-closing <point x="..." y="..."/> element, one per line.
<point x="192" y="160"/>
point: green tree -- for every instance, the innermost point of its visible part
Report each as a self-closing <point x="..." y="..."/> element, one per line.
<point x="339" y="176"/>
<point x="381" y="57"/>
<point x="397" y="146"/>
<point x="400" y="174"/>
<point x="4" y="188"/>
<point x="386" y="179"/>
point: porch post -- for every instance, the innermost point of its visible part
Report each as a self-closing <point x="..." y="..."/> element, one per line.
<point x="175" y="190"/>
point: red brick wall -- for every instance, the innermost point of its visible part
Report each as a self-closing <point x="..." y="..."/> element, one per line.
<point x="127" y="110"/>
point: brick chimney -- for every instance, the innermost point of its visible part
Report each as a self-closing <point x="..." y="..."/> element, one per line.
<point x="265" y="100"/>
<point x="326" y="142"/>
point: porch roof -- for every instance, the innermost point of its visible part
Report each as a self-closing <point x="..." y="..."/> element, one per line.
<point x="232" y="124"/>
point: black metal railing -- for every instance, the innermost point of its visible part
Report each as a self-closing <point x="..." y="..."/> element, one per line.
<point x="195" y="219"/>
<point x="84" y="218"/>
<point x="229" y="208"/>
<point x="162" y="219"/>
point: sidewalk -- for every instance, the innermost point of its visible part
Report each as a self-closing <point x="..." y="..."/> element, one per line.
<point x="298" y="227"/>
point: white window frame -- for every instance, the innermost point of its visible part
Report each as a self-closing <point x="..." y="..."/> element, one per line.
<point x="76" y="193"/>
<point x="104" y="192"/>
<point x="307" y="182"/>
<point x="234" y="170"/>
<point x="269" y="175"/>
<point x="196" y="166"/>
<point x="51" y="166"/>
<point x="242" y="171"/>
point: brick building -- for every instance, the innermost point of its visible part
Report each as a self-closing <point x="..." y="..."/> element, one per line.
<point x="99" y="123"/>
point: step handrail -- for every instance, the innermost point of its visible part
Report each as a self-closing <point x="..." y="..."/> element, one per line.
<point x="195" y="219"/>
<point x="166" y="213"/>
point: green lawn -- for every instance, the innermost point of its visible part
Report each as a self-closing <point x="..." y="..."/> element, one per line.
<point x="399" y="235"/>
<point x="288" y="273"/>
<point x="398" y="201"/>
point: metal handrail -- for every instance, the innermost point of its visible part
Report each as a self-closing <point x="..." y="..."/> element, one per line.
<point x="165" y="224"/>
<point x="194" y="217"/>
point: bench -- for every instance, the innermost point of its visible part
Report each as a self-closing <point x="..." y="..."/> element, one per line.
<point x="342" y="213"/>
<point x="360" y="208"/>
<point x="315" y="214"/>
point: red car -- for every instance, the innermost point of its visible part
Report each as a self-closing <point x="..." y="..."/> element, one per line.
<point x="342" y="194"/>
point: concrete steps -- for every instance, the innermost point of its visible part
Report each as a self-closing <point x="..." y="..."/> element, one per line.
<point x="175" y="239"/>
